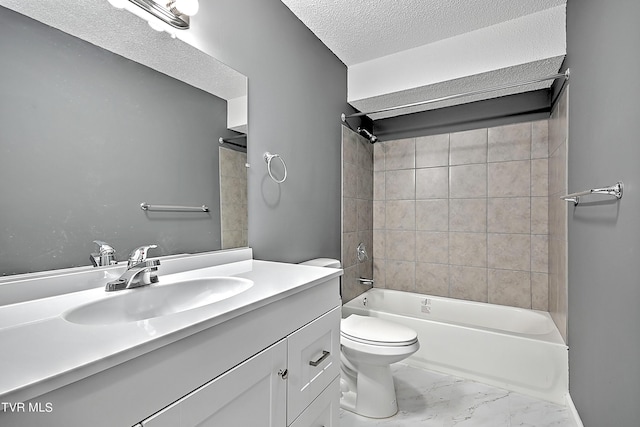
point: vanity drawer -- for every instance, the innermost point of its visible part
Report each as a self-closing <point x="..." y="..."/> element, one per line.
<point x="313" y="361"/>
<point x="324" y="411"/>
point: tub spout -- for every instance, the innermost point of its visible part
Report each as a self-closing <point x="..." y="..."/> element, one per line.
<point x="363" y="281"/>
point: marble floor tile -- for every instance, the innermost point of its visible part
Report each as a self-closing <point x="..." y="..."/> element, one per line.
<point x="431" y="399"/>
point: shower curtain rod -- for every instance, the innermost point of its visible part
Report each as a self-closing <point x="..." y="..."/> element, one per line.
<point x="564" y="75"/>
<point x="232" y="138"/>
<point x="222" y="140"/>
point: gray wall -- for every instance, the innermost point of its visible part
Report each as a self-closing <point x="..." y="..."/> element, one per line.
<point x="297" y="91"/>
<point x="85" y="137"/>
<point x="604" y="238"/>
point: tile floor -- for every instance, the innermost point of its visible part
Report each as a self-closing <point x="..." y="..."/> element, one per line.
<point x="431" y="399"/>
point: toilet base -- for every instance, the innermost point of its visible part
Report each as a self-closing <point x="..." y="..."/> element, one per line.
<point x="374" y="395"/>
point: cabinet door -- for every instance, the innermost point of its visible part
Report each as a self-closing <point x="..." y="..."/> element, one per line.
<point x="251" y="394"/>
<point x="314" y="361"/>
<point x="324" y="411"/>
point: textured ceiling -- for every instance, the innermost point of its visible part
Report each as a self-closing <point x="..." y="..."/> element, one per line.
<point x="402" y="52"/>
<point x="121" y="32"/>
<point x="358" y="31"/>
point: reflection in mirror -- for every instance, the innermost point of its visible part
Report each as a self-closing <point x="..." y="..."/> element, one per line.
<point x="233" y="193"/>
<point x="88" y="133"/>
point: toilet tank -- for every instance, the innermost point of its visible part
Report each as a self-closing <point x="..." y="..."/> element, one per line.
<point x="323" y="262"/>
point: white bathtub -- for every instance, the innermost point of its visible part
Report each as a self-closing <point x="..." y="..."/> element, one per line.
<point x="512" y="348"/>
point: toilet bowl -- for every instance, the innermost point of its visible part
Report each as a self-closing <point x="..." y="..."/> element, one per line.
<point x="368" y="347"/>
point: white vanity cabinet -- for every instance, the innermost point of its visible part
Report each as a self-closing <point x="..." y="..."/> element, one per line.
<point x="251" y="394"/>
<point x="270" y="360"/>
<point x="293" y="382"/>
<point x="313" y="354"/>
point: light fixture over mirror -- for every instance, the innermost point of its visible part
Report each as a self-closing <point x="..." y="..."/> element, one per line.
<point x="171" y="14"/>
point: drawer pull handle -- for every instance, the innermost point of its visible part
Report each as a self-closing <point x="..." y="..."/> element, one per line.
<point x="325" y="354"/>
<point x="283" y="373"/>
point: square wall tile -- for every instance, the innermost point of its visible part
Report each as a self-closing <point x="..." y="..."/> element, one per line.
<point x="379" y="185"/>
<point x="379" y="215"/>
<point x="379" y="244"/>
<point x="432" y="279"/>
<point x="365" y="154"/>
<point x="400" y="245"/>
<point x="509" y="215"/>
<point x="432" y="183"/>
<point x="400" y="275"/>
<point x="468" y="181"/>
<point x="365" y="237"/>
<point x="540" y="291"/>
<point x="365" y="270"/>
<point x="349" y="247"/>
<point x="510" y="288"/>
<point x="468" y="283"/>
<point x="379" y="275"/>
<point x="468" y="147"/>
<point x="540" y="215"/>
<point x="232" y="239"/>
<point x="349" y="284"/>
<point x="509" y="179"/>
<point x="379" y="151"/>
<point x="468" y="249"/>
<point x="365" y="214"/>
<point x="365" y="184"/>
<point x="509" y="251"/>
<point x="400" y="215"/>
<point x="468" y="215"/>
<point x="400" y="154"/>
<point x="511" y="142"/>
<point x="540" y="177"/>
<point x="349" y="181"/>
<point x="540" y="253"/>
<point x="432" y="247"/>
<point x="540" y="139"/>
<point x="432" y="151"/>
<point x="400" y="185"/>
<point x="349" y="215"/>
<point x="432" y="215"/>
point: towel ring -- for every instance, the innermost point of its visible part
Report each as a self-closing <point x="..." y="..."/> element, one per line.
<point x="268" y="157"/>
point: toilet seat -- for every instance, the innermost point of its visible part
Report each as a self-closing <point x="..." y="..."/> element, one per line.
<point x="376" y="332"/>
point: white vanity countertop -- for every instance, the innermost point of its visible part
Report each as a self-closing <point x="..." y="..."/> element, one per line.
<point x="41" y="351"/>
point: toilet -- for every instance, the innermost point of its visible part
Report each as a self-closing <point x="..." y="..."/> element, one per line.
<point x="368" y="347"/>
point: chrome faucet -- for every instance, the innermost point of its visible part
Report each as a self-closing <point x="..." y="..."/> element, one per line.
<point x="140" y="271"/>
<point x="106" y="255"/>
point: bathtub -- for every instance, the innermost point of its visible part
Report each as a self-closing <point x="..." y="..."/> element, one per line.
<point x="512" y="348"/>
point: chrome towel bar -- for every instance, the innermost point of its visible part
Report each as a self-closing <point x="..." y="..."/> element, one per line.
<point x="614" y="190"/>
<point x="170" y="208"/>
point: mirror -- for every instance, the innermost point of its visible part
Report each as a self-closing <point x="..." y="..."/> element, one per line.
<point x="101" y="113"/>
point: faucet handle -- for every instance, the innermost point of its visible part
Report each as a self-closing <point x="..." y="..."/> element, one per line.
<point x="139" y="255"/>
<point x="104" y="247"/>
<point x="106" y="255"/>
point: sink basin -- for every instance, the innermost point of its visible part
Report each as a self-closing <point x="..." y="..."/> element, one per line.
<point x="157" y="300"/>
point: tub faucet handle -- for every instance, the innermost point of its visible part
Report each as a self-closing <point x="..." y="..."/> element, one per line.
<point x="362" y="252"/>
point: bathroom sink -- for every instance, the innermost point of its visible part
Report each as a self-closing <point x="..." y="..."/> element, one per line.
<point x="157" y="300"/>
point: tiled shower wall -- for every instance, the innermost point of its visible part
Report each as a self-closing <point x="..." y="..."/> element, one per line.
<point x="465" y="215"/>
<point x="357" y="211"/>
<point x="558" y="149"/>
<point x="233" y="198"/>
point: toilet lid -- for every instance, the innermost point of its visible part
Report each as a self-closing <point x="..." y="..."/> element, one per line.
<point x="376" y="331"/>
